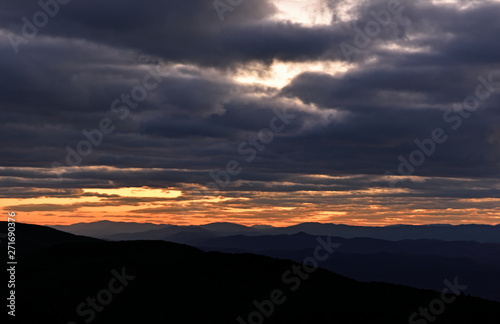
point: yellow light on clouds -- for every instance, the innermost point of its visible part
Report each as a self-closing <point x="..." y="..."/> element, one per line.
<point x="305" y="12"/>
<point x="279" y="74"/>
<point x="143" y="192"/>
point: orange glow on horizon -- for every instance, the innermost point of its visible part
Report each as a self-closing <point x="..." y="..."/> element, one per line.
<point x="182" y="206"/>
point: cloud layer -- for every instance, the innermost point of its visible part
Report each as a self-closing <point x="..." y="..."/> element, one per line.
<point x="351" y="121"/>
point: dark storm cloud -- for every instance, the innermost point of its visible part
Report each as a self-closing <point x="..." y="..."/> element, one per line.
<point x="189" y="31"/>
<point x="357" y="122"/>
<point x="181" y="31"/>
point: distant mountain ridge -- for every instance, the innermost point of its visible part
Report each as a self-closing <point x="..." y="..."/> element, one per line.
<point x="105" y="228"/>
<point x="141" y="231"/>
<point x="415" y="263"/>
<point x="488" y="253"/>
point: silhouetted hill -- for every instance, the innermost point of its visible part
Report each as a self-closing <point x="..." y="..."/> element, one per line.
<point x="31" y="237"/>
<point x="421" y="263"/>
<point x="416" y="263"/>
<point x="105" y="228"/>
<point x="488" y="253"/>
<point x="228" y="228"/>
<point x="179" y="284"/>
<point x="472" y="232"/>
<point x="177" y="234"/>
<point x="186" y="234"/>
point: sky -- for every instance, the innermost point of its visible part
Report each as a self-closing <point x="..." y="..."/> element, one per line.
<point x="253" y="112"/>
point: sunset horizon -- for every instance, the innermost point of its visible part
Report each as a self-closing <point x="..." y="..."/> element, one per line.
<point x="250" y="161"/>
<point x="95" y="204"/>
<point x="338" y="113"/>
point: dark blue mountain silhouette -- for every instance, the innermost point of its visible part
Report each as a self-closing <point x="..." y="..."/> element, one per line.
<point x="175" y="283"/>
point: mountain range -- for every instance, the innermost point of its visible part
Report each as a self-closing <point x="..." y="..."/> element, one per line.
<point x="434" y="252"/>
<point x="82" y="280"/>
<point x="138" y="231"/>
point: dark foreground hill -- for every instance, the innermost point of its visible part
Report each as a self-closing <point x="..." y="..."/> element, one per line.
<point x="61" y="278"/>
<point x="162" y="282"/>
<point x="31" y="237"/>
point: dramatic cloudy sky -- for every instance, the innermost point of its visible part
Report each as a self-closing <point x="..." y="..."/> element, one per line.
<point x="312" y="122"/>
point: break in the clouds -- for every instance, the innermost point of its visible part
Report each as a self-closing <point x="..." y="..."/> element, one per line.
<point x="284" y="112"/>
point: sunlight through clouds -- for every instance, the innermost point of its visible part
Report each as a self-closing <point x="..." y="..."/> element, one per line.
<point x="136" y="192"/>
<point x="304" y="12"/>
<point x="279" y="74"/>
